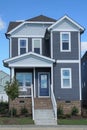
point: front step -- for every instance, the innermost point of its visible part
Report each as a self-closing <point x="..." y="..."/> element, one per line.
<point x="43" y="103"/>
<point x="44" y="117"/>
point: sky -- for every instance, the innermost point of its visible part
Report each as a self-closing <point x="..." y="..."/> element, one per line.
<point x="12" y="10"/>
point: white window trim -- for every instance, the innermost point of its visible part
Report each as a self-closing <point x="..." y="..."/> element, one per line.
<point x="61" y="48"/>
<point x="33" y="39"/>
<point x="68" y="87"/>
<point x="19" y="44"/>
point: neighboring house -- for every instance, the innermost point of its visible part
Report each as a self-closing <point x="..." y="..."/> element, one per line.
<point x="4" y="77"/>
<point x="45" y="56"/>
<point x="84" y="79"/>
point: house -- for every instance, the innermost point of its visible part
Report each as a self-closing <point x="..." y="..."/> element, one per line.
<point x="84" y="79"/>
<point x="45" y="58"/>
<point x="4" y="77"/>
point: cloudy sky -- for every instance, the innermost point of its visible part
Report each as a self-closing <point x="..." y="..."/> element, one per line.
<point x="12" y="10"/>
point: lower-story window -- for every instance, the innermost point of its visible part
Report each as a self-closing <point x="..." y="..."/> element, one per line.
<point x="66" y="81"/>
<point x="24" y="79"/>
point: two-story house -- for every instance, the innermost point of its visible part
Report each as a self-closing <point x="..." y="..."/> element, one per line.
<point x="45" y="58"/>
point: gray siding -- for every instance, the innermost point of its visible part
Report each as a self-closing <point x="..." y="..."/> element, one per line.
<point x="66" y="94"/>
<point x="14" y="47"/>
<point x="58" y="55"/>
<point x="45" y="47"/>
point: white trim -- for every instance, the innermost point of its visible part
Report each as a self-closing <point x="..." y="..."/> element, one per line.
<point x="67" y="61"/>
<point x="65" y="30"/>
<point x="39" y="84"/>
<point x="37" y="36"/>
<point x="70" y="71"/>
<point x="29" y="53"/>
<point x="61" y="43"/>
<point x="72" y="21"/>
<point x="79" y="44"/>
<point x="52" y="76"/>
<point x="12" y="73"/>
<point x="10" y="42"/>
<point x="19" y="44"/>
<point x="25" y="22"/>
<point x="51" y="45"/>
<point x="34" y="84"/>
<point x="33" y="39"/>
<point x="27" y="65"/>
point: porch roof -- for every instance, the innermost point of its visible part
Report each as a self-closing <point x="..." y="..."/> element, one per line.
<point x="29" y="59"/>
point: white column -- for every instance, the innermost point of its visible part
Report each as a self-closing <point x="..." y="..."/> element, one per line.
<point x="12" y="73"/>
<point x="52" y="75"/>
<point x="34" y="84"/>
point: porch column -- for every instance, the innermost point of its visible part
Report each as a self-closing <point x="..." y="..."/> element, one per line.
<point x="34" y="84"/>
<point x="12" y="73"/>
<point x="52" y="76"/>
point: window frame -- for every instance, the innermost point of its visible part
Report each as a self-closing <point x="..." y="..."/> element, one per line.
<point x="19" y="47"/>
<point x="63" y="77"/>
<point x="61" y="42"/>
<point x="33" y="39"/>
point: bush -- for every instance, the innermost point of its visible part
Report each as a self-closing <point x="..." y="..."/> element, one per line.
<point x="74" y="111"/>
<point x="60" y="111"/>
<point x="24" y="111"/>
<point x="4" y="108"/>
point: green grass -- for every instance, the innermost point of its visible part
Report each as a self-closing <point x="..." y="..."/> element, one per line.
<point x="16" y="121"/>
<point x="72" y="121"/>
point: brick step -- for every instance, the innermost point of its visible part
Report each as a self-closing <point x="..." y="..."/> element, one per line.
<point x="43" y="103"/>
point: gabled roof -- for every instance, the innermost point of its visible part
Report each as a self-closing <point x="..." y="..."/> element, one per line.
<point x="40" y="18"/>
<point x="71" y="20"/>
<point x="29" y="54"/>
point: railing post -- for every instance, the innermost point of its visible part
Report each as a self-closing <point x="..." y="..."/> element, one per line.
<point x="32" y="96"/>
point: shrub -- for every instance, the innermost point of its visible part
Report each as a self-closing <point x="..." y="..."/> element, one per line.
<point x="24" y="111"/>
<point x="74" y="111"/>
<point x="60" y="111"/>
<point x="4" y="108"/>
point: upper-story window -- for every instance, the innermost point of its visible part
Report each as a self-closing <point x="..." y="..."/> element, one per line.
<point x="22" y="45"/>
<point x="65" y="42"/>
<point x="37" y="45"/>
<point x="66" y="78"/>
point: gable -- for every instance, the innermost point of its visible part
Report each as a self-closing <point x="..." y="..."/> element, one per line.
<point x="31" y="30"/>
<point x="65" y="25"/>
<point x="30" y="61"/>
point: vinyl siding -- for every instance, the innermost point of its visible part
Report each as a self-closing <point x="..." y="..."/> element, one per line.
<point x="66" y="94"/>
<point x="58" y="55"/>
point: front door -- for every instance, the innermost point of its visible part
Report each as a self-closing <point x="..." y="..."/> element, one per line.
<point x="44" y="83"/>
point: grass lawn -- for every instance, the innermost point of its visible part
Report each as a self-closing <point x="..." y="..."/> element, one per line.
<point x="72" y="121"/>
<point x="16" y="121"/>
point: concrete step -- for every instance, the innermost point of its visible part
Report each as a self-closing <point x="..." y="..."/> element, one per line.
<point x="44" y="117"/>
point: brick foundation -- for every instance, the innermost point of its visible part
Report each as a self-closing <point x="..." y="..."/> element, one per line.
<point x="19" y="103"/>
<point x="68" y="105"/>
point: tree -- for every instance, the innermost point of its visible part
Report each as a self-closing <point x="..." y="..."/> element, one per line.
<point x="12" y="90"/>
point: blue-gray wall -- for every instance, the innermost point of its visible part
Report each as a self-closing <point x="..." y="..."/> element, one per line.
<point x="58" y="55"/>
<point x="45" y="47"/>
<point x="66" y="94"/>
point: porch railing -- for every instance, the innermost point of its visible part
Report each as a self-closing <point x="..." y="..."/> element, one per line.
<point x="28" y="92"/>
<point x="54" y="103"/>
<point x="32" y="101"/>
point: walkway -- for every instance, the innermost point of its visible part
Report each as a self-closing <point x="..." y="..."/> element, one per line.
<point x="29" y="127"/>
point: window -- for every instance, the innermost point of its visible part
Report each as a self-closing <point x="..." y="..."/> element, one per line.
<point x="66" y="78"/>
<point x="24" y="79"/>
<point x="36" y="46"/>
<point x="22" y="46"/>
<point x="65" y="42"/>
